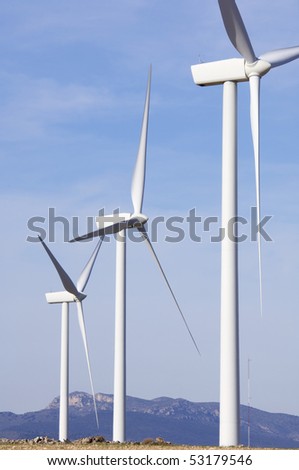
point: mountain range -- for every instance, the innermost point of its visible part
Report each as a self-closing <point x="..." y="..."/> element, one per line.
<point x="178" y="421"/>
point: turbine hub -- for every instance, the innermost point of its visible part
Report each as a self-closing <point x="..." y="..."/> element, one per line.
<point x="258" y="68"/>
<point x="138" y="220"/>
<point x="80" y="297"/>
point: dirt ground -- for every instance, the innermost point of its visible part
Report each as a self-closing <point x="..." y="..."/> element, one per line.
<point x="96" y="444"/>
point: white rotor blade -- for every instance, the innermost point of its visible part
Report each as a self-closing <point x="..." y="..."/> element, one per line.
<point x="84" y="338"/>
<point x="109" y="230"/>
<point x="84" y="276"/>
<point x="137" y="188"/>
<point x="255" y="129"/>
<point x="65" y="279"/>
<point x="281" y="56"/>
<point x="236" y="30"/>
<point x="146" y="238"/>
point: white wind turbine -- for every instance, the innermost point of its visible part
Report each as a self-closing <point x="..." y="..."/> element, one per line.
<point x="229" y="73"/>
<point x="71" y="293"/>
<point x="119" y="224"/>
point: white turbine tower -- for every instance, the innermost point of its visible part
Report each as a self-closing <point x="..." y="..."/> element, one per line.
<point x="229" y="73"/>
<point x="119" y="224"/>
<point x="72" y="293"/>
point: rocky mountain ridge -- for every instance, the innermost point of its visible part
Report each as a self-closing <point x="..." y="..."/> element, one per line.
<point x="176" y="420"/>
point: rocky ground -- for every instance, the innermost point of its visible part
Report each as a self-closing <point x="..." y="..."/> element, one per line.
<point x="95" y="442"/>
<point x="91" y="443"/>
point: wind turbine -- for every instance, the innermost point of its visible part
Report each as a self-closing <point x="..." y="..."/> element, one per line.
<point x="229" y="73"/>
<point x="71" y="293"/>
<point x="119" y="224"/>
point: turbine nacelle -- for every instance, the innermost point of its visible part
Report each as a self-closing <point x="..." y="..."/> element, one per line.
<point x="63" y="296"/>
<point x="105" y="221"/>
<point x="219" y="72"/>
<point x="115" y="222"/>
<point x="229" y="70"/>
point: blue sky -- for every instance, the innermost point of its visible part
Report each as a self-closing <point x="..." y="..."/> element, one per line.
<point x="72" y="87"/>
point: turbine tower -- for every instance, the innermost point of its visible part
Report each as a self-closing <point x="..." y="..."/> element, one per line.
<point x="119" y="224"/>
<point x="71" y="294"/>
<point x="229" y="73"/>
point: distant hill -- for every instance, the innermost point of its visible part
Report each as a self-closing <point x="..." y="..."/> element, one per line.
<point x="176" y="420"/>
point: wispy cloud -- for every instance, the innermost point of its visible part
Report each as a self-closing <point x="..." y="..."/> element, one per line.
<point x="72" y="22"/>
<point x="32" y="105"/>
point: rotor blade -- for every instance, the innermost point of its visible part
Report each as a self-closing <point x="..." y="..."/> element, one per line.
<point x="255" y="129"/>
<point x="146" y="238"/>
<point x="236" y="30"/>
<point x="84" y="276"/>
<point x="84" y="338"/>
<point x="109" y="230"/>
<point x="65" y="279"/>
<point x="281" y="56"/>
<point x="137" y="188"/>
